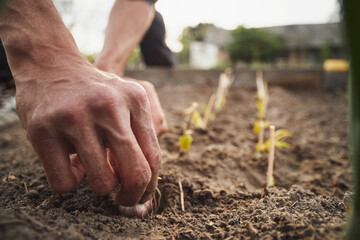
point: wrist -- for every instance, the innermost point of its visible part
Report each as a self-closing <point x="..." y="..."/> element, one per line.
<point x="111" y="62"/>
<point x="35" y="37"/>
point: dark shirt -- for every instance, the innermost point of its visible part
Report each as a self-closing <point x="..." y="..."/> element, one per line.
<point x="151" y="1"/>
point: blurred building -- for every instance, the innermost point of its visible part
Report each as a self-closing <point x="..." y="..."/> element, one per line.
<point x="306" y="45"/>
<point x="309" y="45"/>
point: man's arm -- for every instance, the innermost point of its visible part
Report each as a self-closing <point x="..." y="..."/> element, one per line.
<point x="68" y="106"/>
<point x="129" y="20"/>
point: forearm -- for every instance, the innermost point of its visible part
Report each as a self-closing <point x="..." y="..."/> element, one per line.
<point x="34" y="35"/>
<point x="128" y="22"/>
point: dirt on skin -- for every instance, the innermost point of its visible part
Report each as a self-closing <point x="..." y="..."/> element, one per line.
<point x="223" y="182"/>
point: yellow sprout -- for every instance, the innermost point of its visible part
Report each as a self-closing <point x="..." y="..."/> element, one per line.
<point x="256" y="129"/>
<point x="279" y="134"/>
<point x="197" y="120"/>
<point x="185" y="141"/>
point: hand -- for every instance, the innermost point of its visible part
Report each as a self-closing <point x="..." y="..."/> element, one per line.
<point x="157" y="113"/>
<point x="75" y="108"/>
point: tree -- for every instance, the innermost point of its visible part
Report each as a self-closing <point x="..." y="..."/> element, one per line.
<point x="189" y="35"/>
<point x="254" y="44"/>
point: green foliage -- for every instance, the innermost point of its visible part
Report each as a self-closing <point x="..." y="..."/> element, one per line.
<point x="135" y="59"/>
<point x="325" y="51"/>
<point x="253" y="44"/>
<point x="189" y="35"/>
<point x="224" y="65"/>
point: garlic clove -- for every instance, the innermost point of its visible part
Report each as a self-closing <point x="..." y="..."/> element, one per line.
<point x="139" y="210"/>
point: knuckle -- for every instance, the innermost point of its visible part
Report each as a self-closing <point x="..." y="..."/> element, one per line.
<point x="69" y="116"/>
<point x="148" y="85"/>
<point x="38" y="124"/>
<point x="105" y="99"/>
<point x="138" y="93"/>
<point x="107" y="102"/>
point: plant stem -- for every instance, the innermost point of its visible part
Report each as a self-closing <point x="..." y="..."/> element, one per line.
<point x="209" y="109"/>
<point x="191" y="111"/>
<point x="269" y="176"/>
<point x="260" y="84"/>
<point x="261" y="133"/>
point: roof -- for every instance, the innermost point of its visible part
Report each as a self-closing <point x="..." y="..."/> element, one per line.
<point x="309" y="35"/>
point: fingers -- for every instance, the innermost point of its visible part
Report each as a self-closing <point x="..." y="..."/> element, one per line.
<point x="101" y="176"/>
<point x="157" y="113"/>
<point x="147" y="140"/>
<point x="133" y="169"/>
<point x="61" y="175"/>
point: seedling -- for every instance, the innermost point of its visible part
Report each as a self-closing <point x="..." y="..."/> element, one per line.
<point x="262" y="96"/>
<point x="194" y="117"/>
<point x="197" y="120"/>
<point x="279" y="134"/>
<point x="261" y="106"/>
<point x="216" y="102"/>
<point x="208" y="110"/>
<point x="186" y="139"/>
<point x="225" y="82"/>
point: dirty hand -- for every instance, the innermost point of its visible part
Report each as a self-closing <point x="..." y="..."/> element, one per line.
<point x="157" y="113"/>
<point x="76" y="108"/>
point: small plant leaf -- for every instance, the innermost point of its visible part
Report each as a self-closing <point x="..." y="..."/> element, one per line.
<point x="279" y="134"/>
<point x="185" y="142"/>
<point x="197" y="120"/>
<point x="282" y="144"/>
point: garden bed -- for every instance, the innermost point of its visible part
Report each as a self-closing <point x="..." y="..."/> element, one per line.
<point x="223" y="182"/>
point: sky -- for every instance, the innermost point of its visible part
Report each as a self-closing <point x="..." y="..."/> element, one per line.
<point x="90" y="17"/>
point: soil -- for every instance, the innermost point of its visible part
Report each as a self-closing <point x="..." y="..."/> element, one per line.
<point x="223" y="182"/>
